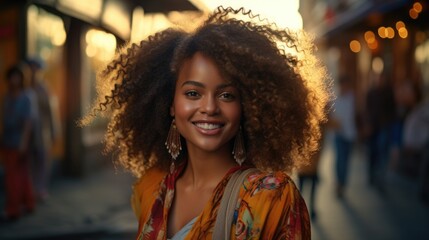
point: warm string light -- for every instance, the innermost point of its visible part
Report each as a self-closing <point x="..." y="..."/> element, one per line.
<point x="355" y="46"/>
<point x="371" y="40"/>
<point x="415" y="10"/>
<point x="402" y="30"/>
<point x="387" y="32"/>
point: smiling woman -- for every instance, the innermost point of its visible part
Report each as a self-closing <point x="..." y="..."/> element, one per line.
<point x="206" y="108"/>
<point x="191" y="111"/>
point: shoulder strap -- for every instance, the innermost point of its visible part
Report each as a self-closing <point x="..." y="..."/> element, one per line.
<point x="225" y="214"/>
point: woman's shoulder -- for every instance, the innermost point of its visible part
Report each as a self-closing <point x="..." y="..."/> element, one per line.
<point x="145" y="189"/>
<point x="150" y="179"/>
<point x="269" y="183"/>
<point x="271" y="207"/>
<point x="269" y="179"/>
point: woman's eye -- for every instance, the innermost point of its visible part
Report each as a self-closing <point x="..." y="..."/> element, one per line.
<point x="192" y="94"/>
<point x="227" y="96"/>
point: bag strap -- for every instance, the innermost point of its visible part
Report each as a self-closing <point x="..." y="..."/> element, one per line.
<point x="225" y="214"/>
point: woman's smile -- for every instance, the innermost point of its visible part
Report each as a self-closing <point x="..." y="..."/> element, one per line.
<point x="209" y="128"/>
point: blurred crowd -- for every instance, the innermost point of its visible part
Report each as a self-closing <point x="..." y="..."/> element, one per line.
<point x="27" y="134"/>
<point x="393" y="130"/>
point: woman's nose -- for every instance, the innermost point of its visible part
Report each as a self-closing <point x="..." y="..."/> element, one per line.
<point x="209" y="105"/>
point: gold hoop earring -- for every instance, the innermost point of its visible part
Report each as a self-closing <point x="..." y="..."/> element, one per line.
<point x="239" y="152"/>
<point x="173" y="144"/>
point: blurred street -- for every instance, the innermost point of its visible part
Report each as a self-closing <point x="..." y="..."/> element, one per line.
<point x="365" y="212"/>
<point x="93" y="207"/>
<point x="97" y="207"/>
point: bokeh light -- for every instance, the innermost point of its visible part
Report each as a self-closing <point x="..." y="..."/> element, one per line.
<point x="390" y="33"/>
<point x="417" y="7"/>
<point x="377" y="65"/>
<point x="382" y="32"/>
<point x="403" y="32"/>
<point x="369" y="37"/>
<point x="413" y="13"/>
<point x="355" y="46"/>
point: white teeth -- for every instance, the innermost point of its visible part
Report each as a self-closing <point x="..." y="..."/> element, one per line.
<point x="208" y="126"/>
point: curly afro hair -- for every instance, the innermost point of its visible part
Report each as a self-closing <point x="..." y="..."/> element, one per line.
<point x="283" y="88"/>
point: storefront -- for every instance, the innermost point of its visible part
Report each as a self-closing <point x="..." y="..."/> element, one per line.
<point x="364" y="39"/>
<point x="73" y="38"/>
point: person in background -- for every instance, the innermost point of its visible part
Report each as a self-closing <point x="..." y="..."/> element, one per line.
<point x="342" y="121"/>
<point x="15" y="142"/>
<point x="407" y="96"/>
<point x="381" y="115"/>
<point x="414" y="160"/>
<point x="310" y="173"/>
<point x="44" y="132"/>
<point x="188" y="110"/>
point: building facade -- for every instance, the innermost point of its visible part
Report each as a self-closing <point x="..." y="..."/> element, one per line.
<point x="73" y="38"/>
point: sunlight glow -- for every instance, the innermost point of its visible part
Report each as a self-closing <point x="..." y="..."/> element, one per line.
<point x="283" y="12"/>
<point x="38" y="22"/>
<point x="100" y="44"/>
<point x="116" y="16"/>
<point x="91" y="9"/>
<point x="137" y="25"/>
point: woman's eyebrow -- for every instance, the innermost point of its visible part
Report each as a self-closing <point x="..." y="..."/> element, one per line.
<point x="194" y="83"/>
<point x="201" y="85"/>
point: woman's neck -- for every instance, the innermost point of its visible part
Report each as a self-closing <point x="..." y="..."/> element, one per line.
<point x="206" y="169"/>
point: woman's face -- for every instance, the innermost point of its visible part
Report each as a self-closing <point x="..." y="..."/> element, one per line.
<point x="206" y="107"/>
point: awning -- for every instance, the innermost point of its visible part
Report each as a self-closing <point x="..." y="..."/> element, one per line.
<point x="114" y="15"/>
<point x="356" y="15"/>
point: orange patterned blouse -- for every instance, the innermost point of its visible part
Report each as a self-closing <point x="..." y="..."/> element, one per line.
<point x="269" y="207"/>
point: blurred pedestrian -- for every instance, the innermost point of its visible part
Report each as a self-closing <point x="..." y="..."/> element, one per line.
<point x="343" y="122"/>
<point x="414" y="160"/>
<point x="406" y="97"/>
<point x="310" y="173"/>
<point x="381" y="115"/>
<point x="193" y="110"/>
<point x="15" y="143"/>
<point x="44" y="131"/>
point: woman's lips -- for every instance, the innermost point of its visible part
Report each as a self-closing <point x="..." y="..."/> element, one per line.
<point x="208" y="128"/>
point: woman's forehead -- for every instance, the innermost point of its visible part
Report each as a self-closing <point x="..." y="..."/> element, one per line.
<point x="202" y="68"/>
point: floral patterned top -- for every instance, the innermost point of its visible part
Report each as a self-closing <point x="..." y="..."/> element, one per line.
<point x="269" y="206"/>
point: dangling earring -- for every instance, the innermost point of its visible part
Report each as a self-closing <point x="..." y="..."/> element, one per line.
<point x="173" y="144"/>
<point x="239" y="152"/>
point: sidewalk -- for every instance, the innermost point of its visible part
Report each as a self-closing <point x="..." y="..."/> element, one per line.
<point x="93" y="207"/>
<point x="365" y="212"/>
